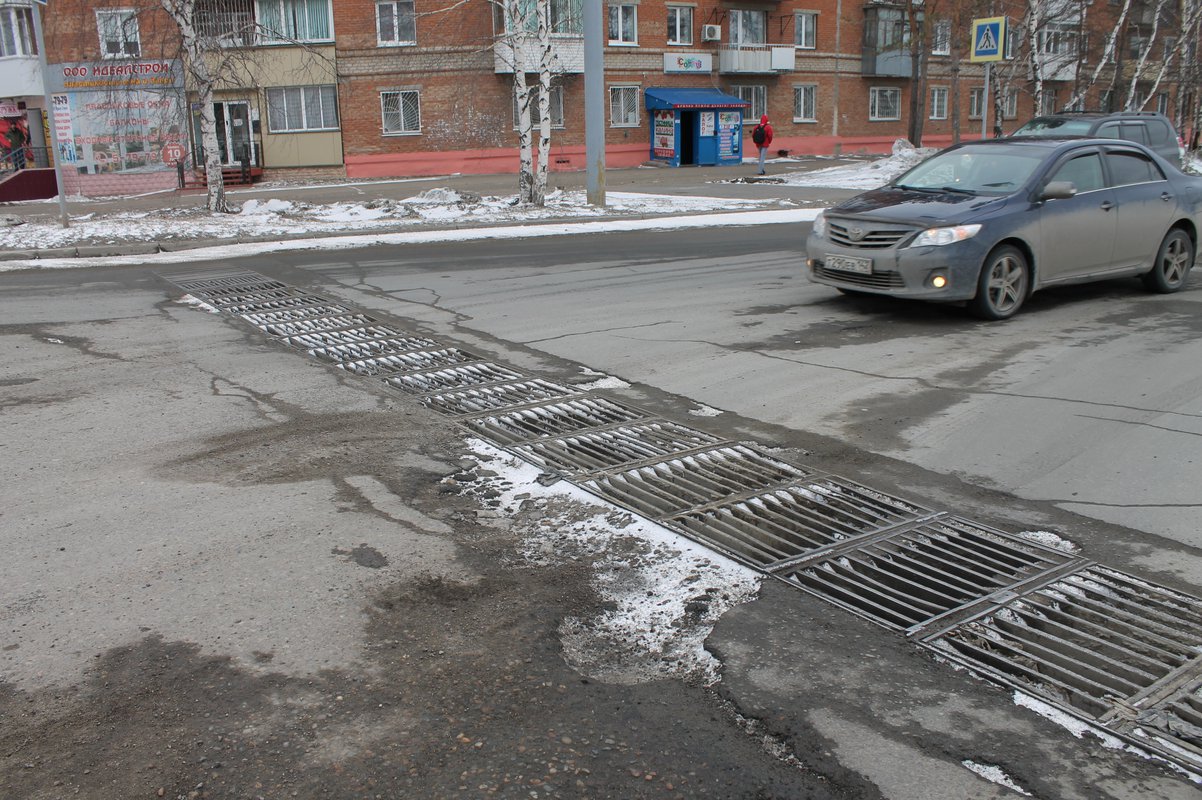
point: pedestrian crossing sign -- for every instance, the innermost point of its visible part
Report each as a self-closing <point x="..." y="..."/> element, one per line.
<point x="988" y="39"/>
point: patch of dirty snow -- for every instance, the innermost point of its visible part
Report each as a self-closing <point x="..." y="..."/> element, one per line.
<point x="704" y="411"/>
<point x="995" y="775"/>
<point x="1049" y="539"/>
<point x="661" y="594"/>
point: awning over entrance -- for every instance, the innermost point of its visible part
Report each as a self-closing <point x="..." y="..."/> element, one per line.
<point x="690" y="98"/>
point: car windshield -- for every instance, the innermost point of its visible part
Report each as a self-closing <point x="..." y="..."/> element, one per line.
<point x="1050" y="126"/>
<point x="991" y="170"/>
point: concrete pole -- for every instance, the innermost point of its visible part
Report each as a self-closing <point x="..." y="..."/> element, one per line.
<point x="48" y="101"/>
<point x="594" y="100"/>
<point x="985" y="105"/>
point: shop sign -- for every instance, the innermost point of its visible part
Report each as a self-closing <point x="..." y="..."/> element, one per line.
<point x="10" y="110"/>
<point x="664" y="134"/>
<point x="83" y="76"/>
<point x="689" y="62"/>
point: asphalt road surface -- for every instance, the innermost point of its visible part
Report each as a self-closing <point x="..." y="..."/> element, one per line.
<point x="230" y="571"/>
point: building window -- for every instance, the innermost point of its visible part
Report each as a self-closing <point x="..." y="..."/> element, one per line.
<point x="566" y="16"/>
<point x="1106" y="100"/>
<point x="938" y="102"/>
<point x="680" y="25"/>
<point x="16" y="31"/>
<point x="396" y="23"/>
<point x="884" y="103"/>
<point x="805" y="29"/>
<point x="295" y="20"/>
<point x="1135" y="47"/>
<point x="401" y="112"/>
<point x="118" y="33"/>
<point x="976" y="99"/>
<point x="555" y="101"/>
<point x="1047" y="102"/>
<point x="941" y="41"/>
<point x="302" y="108"/>
<point x="226" y="24"/>
<point x="805" y="103"/>
<point x="1162" y="103"/>
<point x="757" y="96"/>
<point x="624" y="24"/>
<point x="1058" y="39"/>
<point x="624" y="106"/>
<point x="748" y="27"/>
<point x="1010" y="105"/>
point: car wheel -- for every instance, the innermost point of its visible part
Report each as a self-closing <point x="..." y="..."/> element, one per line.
<point x="1173" y="263"/>
<point x="1002" y="285"/>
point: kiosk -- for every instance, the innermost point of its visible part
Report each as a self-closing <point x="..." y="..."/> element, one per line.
<point x="702" y="127"/>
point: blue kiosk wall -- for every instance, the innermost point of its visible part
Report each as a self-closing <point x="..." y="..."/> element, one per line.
<point x="702" y="127"/>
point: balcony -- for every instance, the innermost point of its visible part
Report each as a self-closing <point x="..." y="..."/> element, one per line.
<point x="756" y="60"/>
<point x="21" y="76"/>
<point x="567" y="54"/>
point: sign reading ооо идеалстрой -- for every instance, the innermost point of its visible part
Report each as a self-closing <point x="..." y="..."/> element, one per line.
<point x="117" y="117"/>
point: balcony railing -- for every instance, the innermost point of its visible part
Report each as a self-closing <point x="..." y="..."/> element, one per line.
<point x="567" y="52"/>
<point x="756" y="60"/>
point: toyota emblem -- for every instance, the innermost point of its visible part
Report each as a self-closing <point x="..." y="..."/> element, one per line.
<point x="856" y="234"/>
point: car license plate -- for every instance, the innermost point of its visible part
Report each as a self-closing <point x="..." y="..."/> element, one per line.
<point x="849" y="264"/>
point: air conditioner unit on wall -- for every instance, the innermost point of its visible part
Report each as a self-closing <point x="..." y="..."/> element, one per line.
<point x="711" y="33"/>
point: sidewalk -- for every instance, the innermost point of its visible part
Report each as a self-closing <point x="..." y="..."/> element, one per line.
<point x="181" y="212"/>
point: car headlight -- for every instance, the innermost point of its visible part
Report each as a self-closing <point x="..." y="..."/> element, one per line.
<point x="819" y="228"/>
<point x="937" y="237"/>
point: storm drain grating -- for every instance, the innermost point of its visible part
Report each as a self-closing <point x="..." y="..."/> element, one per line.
<point x="453" y="378"/>
<point x="350" y="336"/>
<point x="243" y="282"/>
<point x="1084" y="641"/>
<point x="407" y="362"/>
<point x="911" y="576"/>
<point x="552" y="419"/>
<point x="594" y="451"/>
<point x="769" y="527"/>
<point x="669" y="487"/>
<point x="490" y="398"/>
<point x="372" y="348"/>
<point x="1175" y="724"/>
<point x="233" y="300"/>
<point x="259" y="303"/>
<point x="317" y="324"/>
<point x="317" y="310"/>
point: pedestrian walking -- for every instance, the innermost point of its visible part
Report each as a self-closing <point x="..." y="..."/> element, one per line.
<point x="761" y="135"/>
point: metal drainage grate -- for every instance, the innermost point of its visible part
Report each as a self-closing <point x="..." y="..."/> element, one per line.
<point x="669" y="487"/>
<point x="770" y="527"/>
<point x="263" y="302"/>
<point x="489" y="398"/>
<point x="1173" y="724"/>
<point x="233" y="300"/>
<point x="595" y="451"/>
<point x="407" y="362"/>
<point x="338" y="338"/>
<point x="453" y="378"/>
<point x="317" y="324"/>
<point x="358" y="351"/>
<point x="912" y="577"/>
<point x="1090" y="638"/>
<point x="553" y="419"/>
<point x="242" y="282"/>
<point x="315" y="311"/>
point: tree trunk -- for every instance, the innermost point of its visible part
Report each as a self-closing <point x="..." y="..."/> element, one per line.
<point x="539" y="190"/>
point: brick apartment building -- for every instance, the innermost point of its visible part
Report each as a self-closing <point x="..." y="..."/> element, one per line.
<point x="421" y="87"/>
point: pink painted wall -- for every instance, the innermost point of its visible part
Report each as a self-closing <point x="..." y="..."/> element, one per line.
<point x="114" y="184"/>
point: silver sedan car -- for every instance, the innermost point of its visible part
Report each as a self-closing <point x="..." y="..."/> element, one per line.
<point x="989" y="222"/>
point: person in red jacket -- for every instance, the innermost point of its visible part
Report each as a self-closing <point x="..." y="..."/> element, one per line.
<point x="761" y="135"/>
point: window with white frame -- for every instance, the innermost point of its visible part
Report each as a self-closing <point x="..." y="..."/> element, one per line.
<point x="624" y="106"/>
<point x="941" y="41"/>
<point x="396" y="23"/>
<point x="400" y="112"/>
<point x="624" y="24"/>
<point x="1170" y="46"/>
<point x="805" y="102"/>
<point x="295" y="20"/>
<point x="884" y="103"/>
<point x="226" y="24"/>
<point x="1047" y="102"/>
<point x="805" y="29"/>
<point x="680" y="25"/>
<point x="938" y="102"/>
<point x="566" y="16"/>
<point x="118" y="33"/>
<point x="555" y="101"/>
<point x="1010" y="104"/>
<point x="757" y="96"/>
<point x="748" y="27"/>
<point x="976" y="101"/>
<point x="16" y="31"/>
<point x="1058" y="39"/>
<point x="1162" y="103"/>
<point x="302" y="108"/>
<point x="1135" y="47"/>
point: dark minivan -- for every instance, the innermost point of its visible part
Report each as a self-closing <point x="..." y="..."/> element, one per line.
<point x="1149" y="128"/>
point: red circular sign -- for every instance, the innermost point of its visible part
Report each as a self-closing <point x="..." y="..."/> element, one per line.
<point x="173" y="153"/>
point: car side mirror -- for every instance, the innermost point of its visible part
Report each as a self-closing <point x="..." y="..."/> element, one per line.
<point x="1059" y="190"/>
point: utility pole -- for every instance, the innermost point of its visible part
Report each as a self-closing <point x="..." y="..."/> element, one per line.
<point x="48" y="103"/>
<point x="594" y="101"/>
